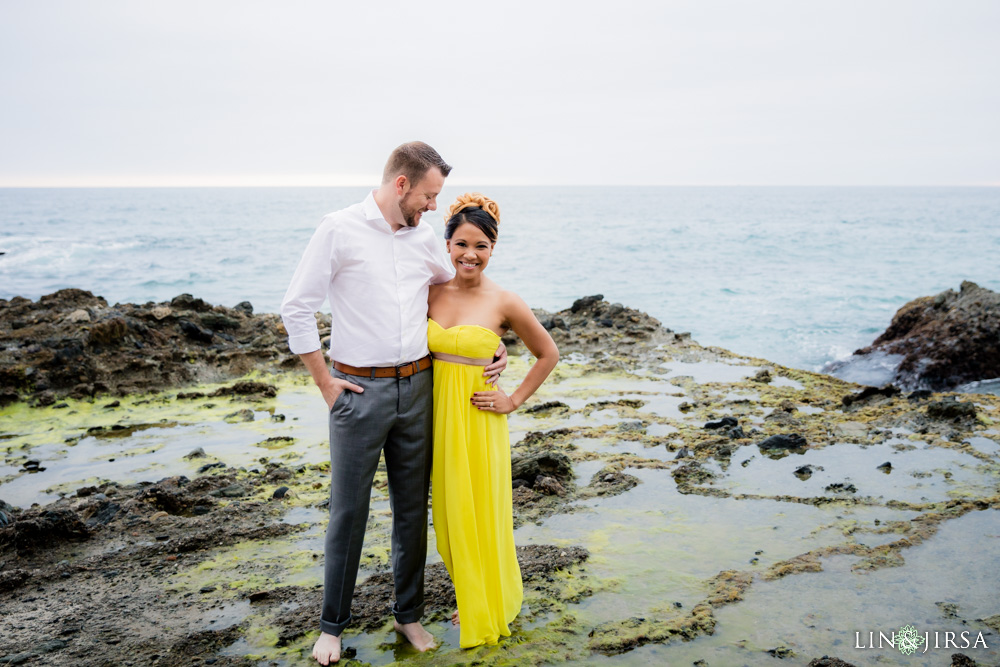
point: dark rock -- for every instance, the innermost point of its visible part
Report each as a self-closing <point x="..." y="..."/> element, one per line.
<point x="545" y="463"/>
<point x="781" y="652"/>
<point x="209" y="466"/>
<point x="840" y="487"/>
<point x="920" y="394"/>
<point x="763" y="375"/>
<point x="39" y="529"/>
<point x="725" y="422"/>
<point x="587" y="302"/>
<point x="167" y="497"/>
<point x="827" y="661"/>
<point x="885" y="467"/>
<point x="691" y="473"/>
<point x="944" y="341"/>
<point x="106" y="512"/>
<point x="962" y="660"/>
<point x="280" y="492"/>
<point x="107" y="332"/>
<point x="244" y="415"/>
<point x="791" y="441"/>
<point x="951" y="409"/>
<point x="684" y="453"/>
<point x="549" y="486"/>
<point x="244" y="307"/>
<point x="869" y="393"/>
<point x="633" y="426"/>
<point x="544" y="407"/>
<point x="258" y="596"/>
<point x="188" y="302"/>
<point x="803" y="472"/>
<point x="194" y="332"/>
<point x="231" y="491"/>
<point x="736" y="433"/>
<point x="219" y="321"/>
<point x="247" y="388"/>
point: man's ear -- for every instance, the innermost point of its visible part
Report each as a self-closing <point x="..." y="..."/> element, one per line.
<point x="402" y="184"/>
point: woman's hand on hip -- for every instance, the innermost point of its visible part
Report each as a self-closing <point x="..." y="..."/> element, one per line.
<point x="493" y="401"/>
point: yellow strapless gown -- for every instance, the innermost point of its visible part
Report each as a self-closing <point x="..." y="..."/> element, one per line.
<point x="471" y="489"/>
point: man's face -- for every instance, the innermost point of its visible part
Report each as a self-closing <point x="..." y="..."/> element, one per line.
<point x="421" y="197"/>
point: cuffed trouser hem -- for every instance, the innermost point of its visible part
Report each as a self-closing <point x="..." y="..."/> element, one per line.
<point x="409" y="616"/>
<point x="334" y="628"/>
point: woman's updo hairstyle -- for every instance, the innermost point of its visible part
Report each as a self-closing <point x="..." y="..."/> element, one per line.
<point x="476" y="209"/>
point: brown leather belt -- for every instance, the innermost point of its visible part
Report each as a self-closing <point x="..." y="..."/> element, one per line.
<point x="404" y="371"/>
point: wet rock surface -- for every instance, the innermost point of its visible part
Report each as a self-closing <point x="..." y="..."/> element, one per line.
<point x="942" y="341"/>
<point x="82" y="572"/>
<point x="220" y="566"/>
<point x="73" y="343"/>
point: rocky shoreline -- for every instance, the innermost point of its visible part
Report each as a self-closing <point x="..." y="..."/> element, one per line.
<point x="938" y="343"/>
<point x="208" y="567"/>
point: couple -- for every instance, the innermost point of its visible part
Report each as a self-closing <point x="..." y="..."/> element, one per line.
<point x="385" y="274"/>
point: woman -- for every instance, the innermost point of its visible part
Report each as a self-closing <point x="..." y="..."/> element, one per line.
<point x="471" y="497"/>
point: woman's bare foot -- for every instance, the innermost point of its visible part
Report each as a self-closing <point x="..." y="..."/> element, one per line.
<point x="454" y="617"/>
<point x="327" y="649"/>
<point x="416" y="635"/>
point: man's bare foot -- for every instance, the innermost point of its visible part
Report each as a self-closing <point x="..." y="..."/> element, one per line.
<point x="454" y="617"/>
<point x="416" y="635"/>
<point x="327" y="649"/>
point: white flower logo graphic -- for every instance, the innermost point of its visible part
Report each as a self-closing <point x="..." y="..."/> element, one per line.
<point x="907" y="640"/>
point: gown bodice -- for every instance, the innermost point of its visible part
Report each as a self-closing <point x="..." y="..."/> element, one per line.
<point x="466" y="340"/>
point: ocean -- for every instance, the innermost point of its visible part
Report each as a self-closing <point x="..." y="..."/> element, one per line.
<point x="798" y="275"/>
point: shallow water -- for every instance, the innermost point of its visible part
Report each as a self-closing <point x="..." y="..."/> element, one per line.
<point x="651" y="547"/>
<point x="657" y="546"/>
<point x="923" y="474"/>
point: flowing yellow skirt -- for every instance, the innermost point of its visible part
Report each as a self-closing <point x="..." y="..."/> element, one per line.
<point x="471" y="490"/>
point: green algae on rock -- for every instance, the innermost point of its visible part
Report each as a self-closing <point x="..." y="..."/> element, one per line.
<point x="646" y="527"/>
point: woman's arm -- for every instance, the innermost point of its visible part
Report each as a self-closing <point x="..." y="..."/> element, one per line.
<point x="538" y="341"/>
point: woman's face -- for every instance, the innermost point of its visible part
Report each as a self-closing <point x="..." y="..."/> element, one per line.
<point x="470" y="250"/>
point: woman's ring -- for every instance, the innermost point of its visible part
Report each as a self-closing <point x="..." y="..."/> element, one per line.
<point x="491" y="404"/>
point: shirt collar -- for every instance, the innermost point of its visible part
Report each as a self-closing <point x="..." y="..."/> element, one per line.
<point x="374" y="215"/>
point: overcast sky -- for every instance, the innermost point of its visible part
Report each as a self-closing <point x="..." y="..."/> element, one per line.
<point x="868" y="92"/>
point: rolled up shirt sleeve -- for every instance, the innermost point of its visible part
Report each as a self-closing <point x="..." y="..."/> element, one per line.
<point x="309" y="289"/>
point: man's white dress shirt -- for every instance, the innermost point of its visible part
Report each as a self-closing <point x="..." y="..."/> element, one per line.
<point x="376" y="281"/>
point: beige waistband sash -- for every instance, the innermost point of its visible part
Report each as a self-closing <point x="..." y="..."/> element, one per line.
<point x="456" y="359"/>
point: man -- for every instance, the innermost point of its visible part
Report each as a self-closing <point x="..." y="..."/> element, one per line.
<point x="375" y="261"/>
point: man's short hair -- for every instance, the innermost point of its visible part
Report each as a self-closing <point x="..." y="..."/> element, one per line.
<point x="412" y="160"/>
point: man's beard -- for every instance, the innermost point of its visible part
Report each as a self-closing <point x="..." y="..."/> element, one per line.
<point x="409" y="215"/>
